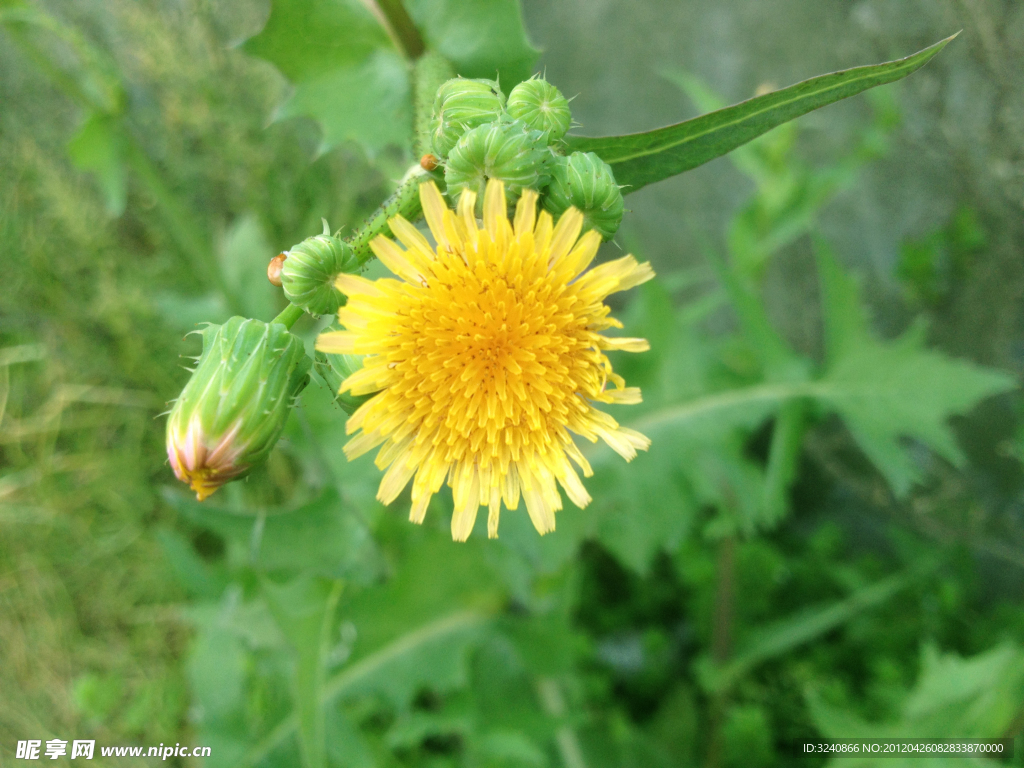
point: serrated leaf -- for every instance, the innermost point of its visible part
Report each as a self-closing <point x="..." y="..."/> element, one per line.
<point x="307" y="38"/>
<point x="640" y="159"/>
<point x="481" y="38"/>
<point x="369" y="103"/>
<point x="886" y="391"/>
<point x="974" y="698"/>
<point x="345" y="70"/>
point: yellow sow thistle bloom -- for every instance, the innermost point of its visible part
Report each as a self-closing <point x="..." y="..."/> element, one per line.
<point x="486" y="354"/>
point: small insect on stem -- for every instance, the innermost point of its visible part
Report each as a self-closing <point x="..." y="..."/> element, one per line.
<point x="274" y="269"/>
<point x="428" y="162"/>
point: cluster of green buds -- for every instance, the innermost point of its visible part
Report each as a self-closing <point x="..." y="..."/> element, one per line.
<point x="233" y="409"/>
<point x="477" y="134"/>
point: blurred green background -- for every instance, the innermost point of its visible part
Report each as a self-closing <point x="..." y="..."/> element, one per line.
<point x="772" y="571"/>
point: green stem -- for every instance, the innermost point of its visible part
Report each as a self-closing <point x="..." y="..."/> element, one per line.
<point x="405" y="202"/>
<point x="289" y="315"/>
<point x="405" y="32"/>
<point x="429" y="72"/>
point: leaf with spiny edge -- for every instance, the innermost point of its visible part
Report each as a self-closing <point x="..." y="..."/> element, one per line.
<point x="886" y="391"/>
<point x="346" y="72"/>
<point x="640" y="159"/>
<point x="348" y="75"/>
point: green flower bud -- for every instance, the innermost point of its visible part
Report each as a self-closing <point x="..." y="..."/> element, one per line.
<point x="541" y="106"/>
<point x="507" y="151"/>
<point x="309" y="271"/>
<point x="584" y="181"/>
<point x="335" y="369"/>
<point x="462" y="104"/>
<point x="233" y="409"/>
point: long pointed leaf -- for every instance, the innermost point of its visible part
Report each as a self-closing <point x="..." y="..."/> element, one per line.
<point x="640" y="159"/>
<point x="783" y="636"/>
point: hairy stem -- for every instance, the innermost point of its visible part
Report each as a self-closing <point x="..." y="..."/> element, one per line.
<point x="405" y="202"/>
<point x="428" y="74"/>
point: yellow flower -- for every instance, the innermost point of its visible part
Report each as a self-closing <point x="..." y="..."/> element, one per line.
<point x="486" y="354"/>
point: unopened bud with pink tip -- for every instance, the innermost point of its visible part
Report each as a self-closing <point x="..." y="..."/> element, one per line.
<point x="232" y="411"/>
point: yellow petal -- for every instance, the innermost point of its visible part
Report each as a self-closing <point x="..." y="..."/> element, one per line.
<point x="433" y="210"/>
<point x="526" y="213"/>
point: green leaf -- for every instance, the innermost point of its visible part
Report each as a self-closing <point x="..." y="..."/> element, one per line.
<point x="195" y="576"/>
<point x="643" y="158"/>
<point x="243" y="254"/>
<point x="885" y="391"/>
<point x="413" y="632"/>
<point x="643" y="507"/>
<point x="320" y="536"/>
<point x="98" y="148"/>
<point x="369" y="103"/>
<point x="783" y="456"/>
<point x="345" y="70"/>
<point x="441" y="641"/>
<point x="974" y="698"/>
<point x="435" y="578"/>
<point x="481" y="38"/>
<point x="782" y="637"/>
<point x="304" y="609"/>
<point x="308" y="38"/>
<point x="889" y="390"/>
<point x="217" y="675"/>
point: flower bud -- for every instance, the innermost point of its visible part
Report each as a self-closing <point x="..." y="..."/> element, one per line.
<point x="584" y="181"/>
<point x="462" y="104"/>
<point x="310" y="269"/>
<point x="233" y="409"/>
<point x="541" y="106"/>
<point x="507" y="151"/>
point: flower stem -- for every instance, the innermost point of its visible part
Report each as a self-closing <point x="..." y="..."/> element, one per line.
<point x="405" y="201"/>
<point x="289" y="315"/>
<point x="428" y="74"/>
<point x="405" y="32"/>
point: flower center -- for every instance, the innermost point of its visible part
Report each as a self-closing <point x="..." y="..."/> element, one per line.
<point x="500" y="348"/>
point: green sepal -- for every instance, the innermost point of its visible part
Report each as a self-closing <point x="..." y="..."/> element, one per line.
<point x="334" y="369"/>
